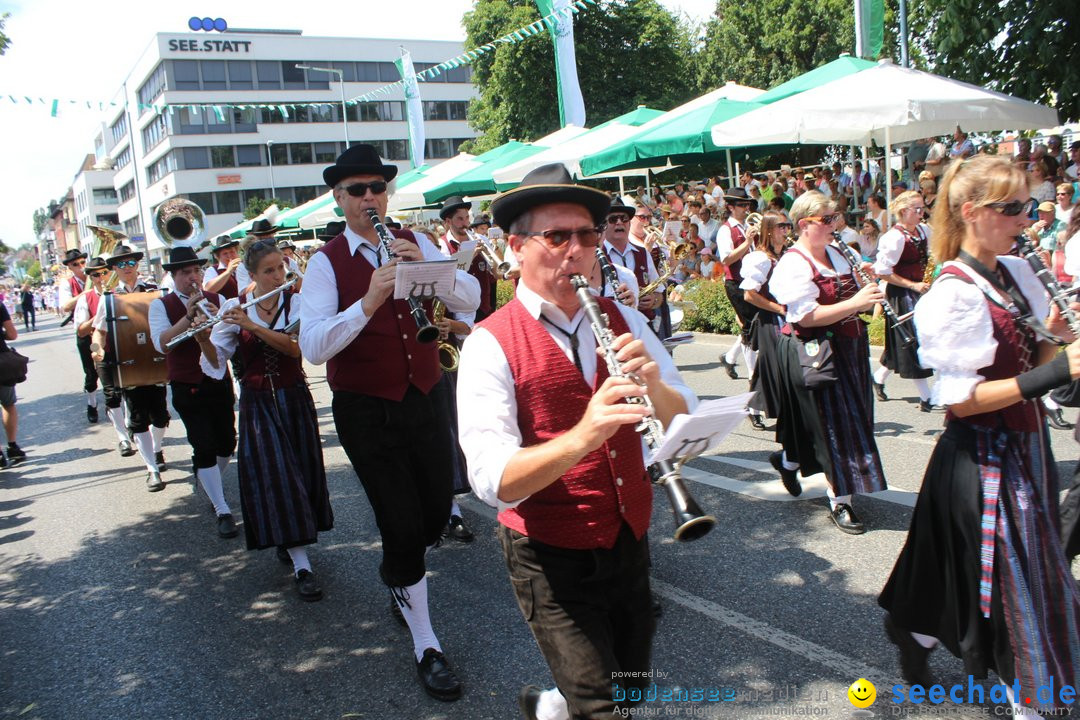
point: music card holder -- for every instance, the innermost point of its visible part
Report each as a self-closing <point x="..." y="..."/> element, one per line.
<point x="691" y="435"/>
<point x="424" y="280"/>
<point x="464" y="256"/>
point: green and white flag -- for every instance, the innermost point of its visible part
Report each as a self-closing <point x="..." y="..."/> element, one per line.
<point x="414" y="110"/>
<point x="869" y="28"/>
<point x="571" y="104"/>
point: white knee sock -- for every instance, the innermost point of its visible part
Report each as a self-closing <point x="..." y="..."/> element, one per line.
<point x="116" y="415"/>
<point x="749" y="356"/>
<point x="157" y="434"/>
<point x="223" y="463"/>
<point x="145" y="442"/>
<point x="1049" y="404"/>
<point x="732" y="355"/>
<point x="835" y="500"/>
<point x="923" y="387"/>
<point x="455" y="509"/>
<point x="927" y="641"/>
<point x="788" y="465"/>
<point x="552" y="706"/>
<point x="299" y="559"/>
<point x="881" y="374"/>
<point x="210" y="480"/>
<point x="91" y="399"/>
<point x="413" y="601"/>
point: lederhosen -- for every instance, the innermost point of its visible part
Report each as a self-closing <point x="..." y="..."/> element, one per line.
<point x="204" y="404"/>
<point x="901" y="359"/>
<point x="82" y="344"/>
<point x="146" y="405"/>
<point x="282" y="479"/>
<point x="732" y="279"/>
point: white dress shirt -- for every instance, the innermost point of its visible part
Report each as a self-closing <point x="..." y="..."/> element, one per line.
<point x="487" y="416"/>
<point x="625" y="258"/>
<point x="324" y="332"/>
<point x="725" y="244"/>
<point x="243" y="277"/>
<point x="158" y="317"/>
<point x="625" y="276"/>
<point x="226" y="337"/>
<point x="81" y="312"/>
<point x="65" y="289"/>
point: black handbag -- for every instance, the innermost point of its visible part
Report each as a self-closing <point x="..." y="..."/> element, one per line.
<point x="12" y="367"/>
<point x="817" y="363"/>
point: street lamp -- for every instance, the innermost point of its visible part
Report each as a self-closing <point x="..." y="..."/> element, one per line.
<point x="341" y="79"/>
<point x="270" y="157"/>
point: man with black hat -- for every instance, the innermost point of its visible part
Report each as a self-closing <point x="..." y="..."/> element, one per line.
<point x="387" y="395"/>
<point x="147" y="414"/>
<point x="204" y="404"/>
<point x="635" y="258"/>
<point x="733" y="241"/>
<point x="227" y="276"/>
<point x="455" y="215"/>
<point x="551" y="443"/>
<point x="71" y="290"/>
<point x="617" y="234"/>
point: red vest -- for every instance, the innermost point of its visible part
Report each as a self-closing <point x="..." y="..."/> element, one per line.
<point x="230" y="289"/>
<point x="912" y="263"/>
<point x="182" y="362"/>
<point x="831" y="290"/>
<point x="640" y="269"/>
<point x="384" y="359"/>
<point x="264" y="367"/>
<point x="586" y="507"/>
<point x="76" y="286"/>
<point x="1024" y="415"/>
<point x="92" y="300"/>
<point x="733" y="271"/>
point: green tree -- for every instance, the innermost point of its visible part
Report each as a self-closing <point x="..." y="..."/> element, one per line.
<point x="629" y="53"/>
<point x="5" y="41"/>
<point x="41" y="219"/>
<point x="257" y="205"/>
<point x="1018" y="47"/>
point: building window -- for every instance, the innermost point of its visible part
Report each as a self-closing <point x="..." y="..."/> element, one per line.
<point x="269" y="74"/>
<point x="163" y="166"/>
<point x="318" y="80"/>
<point x="460" y="74"/>
<point x="204" y="200"/>
<point x="326" y="152"/>
<point x="227" y="202"/>
<point x="213" y="74"/>
<point x="240" y="75"/>
<point x="247" y="195"/>
<point x="154" y="133"/>
<point x="119" y="129"/>
<point x="112" y="220"/>
<point x="194" y="158"/>
<point x="133" y="227"/>
<point x="279" y="154"/>
<point x="294" y="78"/>
<point x="127" y="191"/>
<point x="321" y="113"/>
<point x="388" y="72"/>
<point x="223" y="156"/>
<point x="186" y="74"/>
<point x="214" y="124"/>
<point x="367" y="72"/>
<point x="103" y="196"/>
<point x="397" y="150"/>
<point x="348" y="70"/>
<point x="248" y="155"/>
<point x="190" y="122"/>
<point x="304" y="194"/>
<point x="123" y="158"/>
<point x="244" y="120"/>
<point x="300" y="152"/>
<point x="154" y="86"/>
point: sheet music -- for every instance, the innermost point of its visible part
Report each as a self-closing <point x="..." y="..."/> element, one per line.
<point x="691" y="435"/>
<point x="464" y="256"/>
<point x="424" y="280"/>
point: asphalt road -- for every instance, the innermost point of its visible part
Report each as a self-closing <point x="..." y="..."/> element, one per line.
<point x="118" y="603"/>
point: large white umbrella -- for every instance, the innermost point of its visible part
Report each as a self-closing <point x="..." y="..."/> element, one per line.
<point x="412" y="195"/>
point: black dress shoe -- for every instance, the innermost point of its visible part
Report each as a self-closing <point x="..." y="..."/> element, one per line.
<point x="879" y="390"/>
<point x="153" y="482"/>
<point x="790" y="478"/>
<point x="438" y="679"/>
<point x="226" y="526"/>
<point x="125" y="448"/>
<point x="456" y="529"/>
<point x="756" y="422"/>
<point x="528" y="699"/>
<point x="913" y="656"/>
<point x="1057" y="420"/>
<point x="729" y="368"/>
<point x="925" y="406"/>
<point x="159" y="458"/>
<point x="15" y="454"/>
<point x="845" y="518"/>
<point x="91" y="414"/>
<point x="307" y="586"/>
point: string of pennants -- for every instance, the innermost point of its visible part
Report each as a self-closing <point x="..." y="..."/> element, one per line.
<point x="466" y="58"/>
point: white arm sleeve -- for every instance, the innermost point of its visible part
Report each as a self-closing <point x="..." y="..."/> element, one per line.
<point x="956" y="338"/>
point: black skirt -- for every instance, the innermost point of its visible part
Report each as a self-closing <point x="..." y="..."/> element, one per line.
<point x="765" y="381"/>
<point x="743" y="310"/>
<point x="901" y="359"/>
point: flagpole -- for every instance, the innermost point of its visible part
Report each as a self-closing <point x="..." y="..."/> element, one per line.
<point x="904" y="62"/>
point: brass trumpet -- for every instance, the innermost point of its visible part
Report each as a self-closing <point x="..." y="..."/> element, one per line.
<point x="496" y="265"/>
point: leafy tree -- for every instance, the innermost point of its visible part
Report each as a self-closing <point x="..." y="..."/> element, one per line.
<point x="629" y="53"/>
<point x="257" y="205"/>
<point x="1027" y="49"/>
<point x="41" y="219"/>
<point x="5" y="41"/>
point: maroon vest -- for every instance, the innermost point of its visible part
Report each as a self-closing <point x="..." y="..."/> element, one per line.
<point x="641" y="271"/>
<point x="92" y="300"/>
<point x="182" y="362"/>
<point x="479" y="270"/>
<point x="264" y="367"/>
<point x="586" y="507"/>
<point x="384" y="359"/>
<point x="733" y="272"/>
<point x="831" y="290"/>
<point x="230" y="289"/>
<point x="912" y="262"/>
<point x="75" y="285"/>
<point x="1010" y="336"/>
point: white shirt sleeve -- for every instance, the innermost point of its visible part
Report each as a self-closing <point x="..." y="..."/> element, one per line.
<point x="99" y="316"/>
<point x="324" y="332"/>
<point x="625" y="276"/>
<point x="1029" y="284"/>
<point x="755" y="270"/>
<point x="65" y="292"/>
<point x="724" y="243"/>
<point x="890" y="247"/>
<point x="81" y="312"/>
<point x="159" y="323"/>
<point x="1072" y="256"/>
<point x="792" y="285"/>
<point x="956" y="338"/>
<point x="226" y="339"/>
<point x="209" y="274"/>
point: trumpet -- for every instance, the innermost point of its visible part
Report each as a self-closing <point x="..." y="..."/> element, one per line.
<point x="213" y="319"/>
<point x="497" y="266"/>
<point x="449" y="356"/>
<point x="426" y="332"/>
<point x="690" y="522"/>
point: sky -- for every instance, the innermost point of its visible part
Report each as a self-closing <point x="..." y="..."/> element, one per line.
<point x="76" y="50"/>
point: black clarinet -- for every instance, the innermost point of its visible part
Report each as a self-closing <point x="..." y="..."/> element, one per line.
<point x="426" y="332"/>
<point x="607" y="271"/>
<point x="690" y="522"/>
<point x="907" y="339"/>
<point x="1058" y="295"/>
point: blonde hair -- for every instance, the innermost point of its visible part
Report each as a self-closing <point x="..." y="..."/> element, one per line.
<point x="904" y="200"/>
<point x="1066" y="187"/>
<point x="982" y="179"/>
<point x="928" y="186"/>
<point x="809" y="204"/>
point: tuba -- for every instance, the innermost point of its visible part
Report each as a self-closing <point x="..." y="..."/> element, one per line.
<point x="179" y="222"/>
<point x="105" y="241"/>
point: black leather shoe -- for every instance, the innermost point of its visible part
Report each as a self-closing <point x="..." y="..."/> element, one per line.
<point x="159" y="458"/>
<point x="395" y="610"/>
<point x="790" y="478"/>
<point x="1057" y="420"/>
<point x="729" y="368"/>
<point x="456" y="529"/>
<point x="226" y="526"/>
<point x="845" y="518"/>
<point x="913" y="656"/>
<point x="438" y="679"/>
<point x="528" y="699"/>
<point x="925" y="406"/>
<point x="756" y="422"/>
<point x="153" y="482"/>
<point x="15" y="454"/>
<point x="283" y="556"/>
<point x="307" y="586"/>
<point x="91" y="414"/>
<point x="125" y="448"/>
<point x="879" y="390"/>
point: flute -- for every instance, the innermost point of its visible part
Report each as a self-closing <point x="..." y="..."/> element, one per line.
<point x="212" y="319"/>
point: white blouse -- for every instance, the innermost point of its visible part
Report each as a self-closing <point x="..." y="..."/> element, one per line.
<point x="755" y="270"/>
<point x="226" y="337"/>
<point x="956" y="336"/>
<point x="890" y="247"/>
<point x="792" y="282"/>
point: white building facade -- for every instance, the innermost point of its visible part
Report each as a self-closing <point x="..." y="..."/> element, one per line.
<point x="96" y="202"/>
<point x="222" y="157"/>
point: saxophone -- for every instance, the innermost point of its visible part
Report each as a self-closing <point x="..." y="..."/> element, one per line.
<point x="448" y="352"/>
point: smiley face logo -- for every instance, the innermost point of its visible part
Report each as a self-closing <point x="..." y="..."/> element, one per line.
<point x="862" y="693"/>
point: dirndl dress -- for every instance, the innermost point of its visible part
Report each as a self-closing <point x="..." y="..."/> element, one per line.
<point x="909" y="264"/>
<point x="765" y="331"/>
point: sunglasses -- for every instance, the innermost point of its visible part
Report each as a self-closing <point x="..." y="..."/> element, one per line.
<point x="644" y="217"/>
<point x="99" y="273"/>
<point x="77" y="264"/>
<point x="126" y="263"/>
<point x="360" y="189"/>
<point x="823" y="219"/>
<point x="1064" y="194"/>
<point x="555" y="239"/>
<point x="612" y="219"/>
<point x="784" y="226"/>
<point x="1013" y="207"/>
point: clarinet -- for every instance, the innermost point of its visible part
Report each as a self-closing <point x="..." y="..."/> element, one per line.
<point x="426" y="332"/>
<point x="907" y="339"/>
<point x="1058" y="295"/>
<point x="690" y="522"/>
<point x="607" y="271"/>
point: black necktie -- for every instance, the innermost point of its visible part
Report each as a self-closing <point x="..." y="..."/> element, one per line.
<point x="572" y="337"/>
<point x="375" y="251"/>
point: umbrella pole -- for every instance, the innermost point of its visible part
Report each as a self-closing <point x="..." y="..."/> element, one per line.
<point x="888" y="178"/>
<point x="730" y="176"/>
<point x="854" y="181"/>
<point x="622" y="190"/>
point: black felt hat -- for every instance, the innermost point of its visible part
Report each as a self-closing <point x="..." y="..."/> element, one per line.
<point x="223" y="242"/>
<point x="482" y="220"/>
<point x="451" y="205"/>
<point x="332" y="230"/>
<point x="123" y="252"/>
<point x="181" y="257"/>
<point x="737" y="195"/>
<point x="360" y="159"/>
<point x="262" y="228"/>
<point x="96" y="263"/>
<point x="72" y="255"/>
<point x="545" y="185"/>
<point x="286" y="244"/>
<point x="618" y="207"/>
